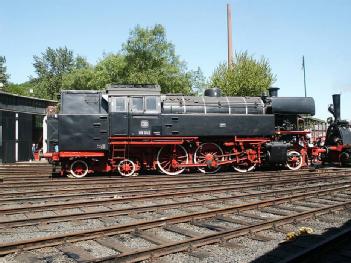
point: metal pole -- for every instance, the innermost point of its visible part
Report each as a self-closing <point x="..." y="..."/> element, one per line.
<point x="304" y="74"/>
<point x="229" y="28"/>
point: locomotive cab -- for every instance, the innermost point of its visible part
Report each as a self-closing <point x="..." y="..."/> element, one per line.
<point x="134" y="110"/>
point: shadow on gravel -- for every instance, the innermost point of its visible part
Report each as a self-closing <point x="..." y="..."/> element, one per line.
<point x="305" y="248"/>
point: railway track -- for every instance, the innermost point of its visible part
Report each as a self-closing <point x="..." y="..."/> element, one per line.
<point x="160" y="178"/>
<point x="151" y="208"/>
<point x="131" y="220"/>
<point x="25" y="171"/>
<point x="98" y="183"/>
<point x="219" y="237"/>
<point x="198" y="218"/>
<point x="23" y="176"/>
<point x="18" y="204"/>
<point x="153" y="189"/>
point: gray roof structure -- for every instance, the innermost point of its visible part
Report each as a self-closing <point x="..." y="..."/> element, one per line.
<point x="133" y="89"/>
<point x="18" y="103"/>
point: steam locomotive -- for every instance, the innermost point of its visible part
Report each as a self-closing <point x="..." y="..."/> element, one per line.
<point x="337" y="145"/>
<point x="128" y="128"/>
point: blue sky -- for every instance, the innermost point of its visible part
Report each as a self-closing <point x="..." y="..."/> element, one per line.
<point x="281" y="31"/>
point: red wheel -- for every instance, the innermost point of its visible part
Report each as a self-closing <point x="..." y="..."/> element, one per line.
<point x="79" y="169"/>
<point x="126" y="167"/>
<point x="244" y="165"/>
<point x="169" y="156"/>
<point x="294" y="161"/>
<point x="207" y="153"/>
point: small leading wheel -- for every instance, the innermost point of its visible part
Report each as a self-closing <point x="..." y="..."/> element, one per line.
<point x="207" y="153"/>
<point x="294" y="161"/>
<point x="169" y="156"/>
<point x="79" y="169"/>
<point x="126" y="167"/>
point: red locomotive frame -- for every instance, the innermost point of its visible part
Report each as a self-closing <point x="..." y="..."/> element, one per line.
<point x="174" y="155"/>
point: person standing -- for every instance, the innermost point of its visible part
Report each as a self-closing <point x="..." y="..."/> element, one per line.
<point x="33" y="151"/>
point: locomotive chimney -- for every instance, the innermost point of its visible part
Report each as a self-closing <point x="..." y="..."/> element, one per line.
<point x="229" y="28"/>
<point x="336" y="106"/>
<point x="273" y="91"/>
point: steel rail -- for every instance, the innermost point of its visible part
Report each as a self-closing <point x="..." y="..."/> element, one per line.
<point x="127" y="192"/>
<point x="109" y="181"/>
<point x="135" y="180"/>
<point x="111" y="185"/>
<point x="149" y="208"/>
<point x="63" y="181"/>
<point x="113" y="200"/>
<point x="6" y="248"/>
<point x="219" y="237"/>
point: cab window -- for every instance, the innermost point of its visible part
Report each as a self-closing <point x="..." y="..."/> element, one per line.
<point x="137" y="104"/>
<point x="120" y="104"/>
<point x="150" y="104"/>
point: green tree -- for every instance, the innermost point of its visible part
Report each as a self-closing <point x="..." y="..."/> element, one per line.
<point x="198" y="81"/>
<point x="108" y="70"/>
<point x="23" y="89"/>
<point x="3" y="75"/>
<point x="79" y="79"/>
<point x="246" y="76"/>
<point x="150" y="58"/>
<point x="146" y="58"/>
<point x="51" y="66"/>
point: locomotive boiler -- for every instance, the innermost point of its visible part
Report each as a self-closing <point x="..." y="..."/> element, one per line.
<point x="128" y="128"/>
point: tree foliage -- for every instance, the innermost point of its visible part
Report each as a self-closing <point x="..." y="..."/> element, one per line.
<point x="245" y="77"/>
<point x="51" y="66"/>
<point x="109" y="70"/>
<point x="3" y="71"/>
<point x="146" y="58"/>
<point x="23" y="89"/>
<point x="151" y="58"/>
<point x="198" y="81"/>
<point x="79" y="79"/>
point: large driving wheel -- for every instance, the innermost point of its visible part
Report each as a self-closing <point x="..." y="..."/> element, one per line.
<point x="79" y="169"/>
<point x="169" y="156"/>
<point x="294" y="161"/>
<point x="245" y="166"/>
<point x="207" y="153"/>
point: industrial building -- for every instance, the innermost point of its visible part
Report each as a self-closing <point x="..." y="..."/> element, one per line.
<point x="21" y="126"/>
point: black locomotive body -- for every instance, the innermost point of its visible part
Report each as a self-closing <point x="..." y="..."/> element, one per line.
<point x="132" y="127"/>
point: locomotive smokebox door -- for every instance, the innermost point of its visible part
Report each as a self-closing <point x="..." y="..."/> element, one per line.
<point x="277" y="152"/>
